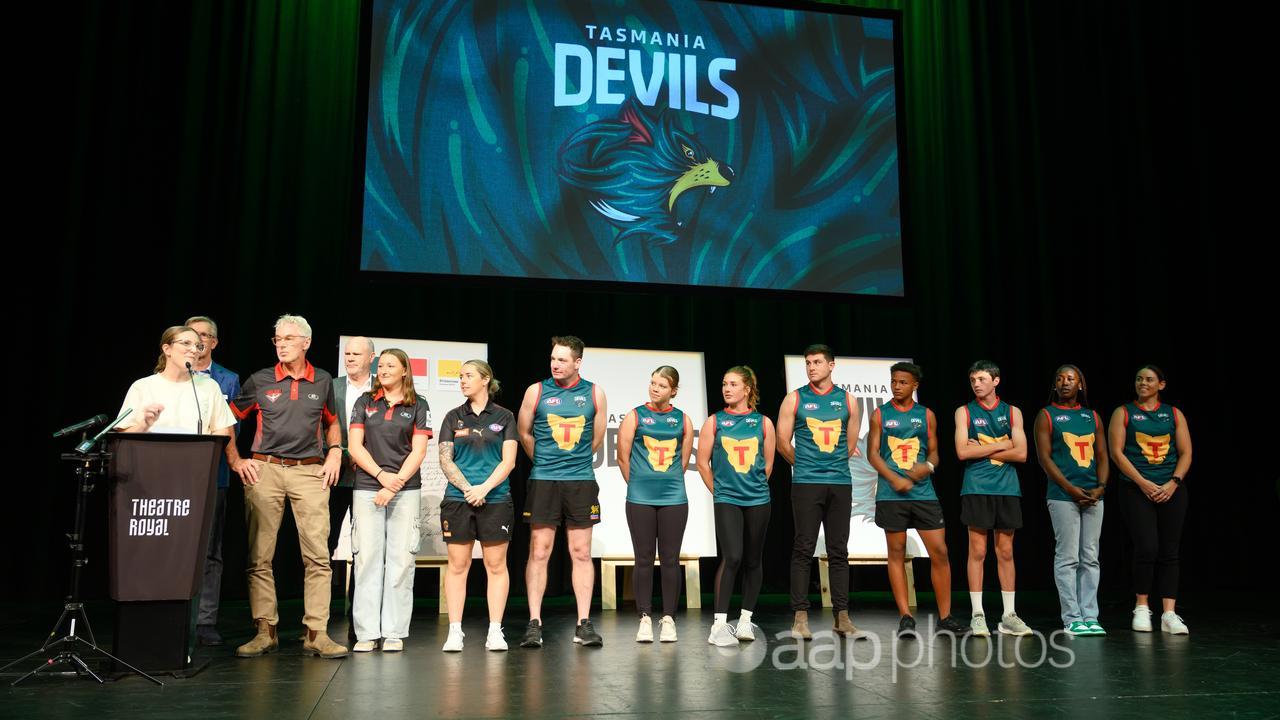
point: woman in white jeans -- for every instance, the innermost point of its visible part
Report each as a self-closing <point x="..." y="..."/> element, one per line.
<point x="1071" y="445"/>
<point x="390" y="428"/>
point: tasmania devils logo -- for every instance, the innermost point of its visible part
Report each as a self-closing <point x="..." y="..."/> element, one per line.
<point x="632" y="169"/>
<point x="661" y="452"/>
<point x="826" y="433"/>
<point x="273" y="395"/>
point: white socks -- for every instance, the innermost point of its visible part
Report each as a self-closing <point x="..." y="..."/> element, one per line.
<point x="1007" y="597"/>
<point x="722" y="617"/>
<point x="745" y="617"/>
<point x="455" y="627"/>
<point x="975" y="598"/>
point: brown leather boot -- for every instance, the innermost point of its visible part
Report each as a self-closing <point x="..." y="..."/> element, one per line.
<point x="262" y="643"/>
<point x="800" y="626"/>
<point x="318" y="643"/>
<point x="845" y="627"/>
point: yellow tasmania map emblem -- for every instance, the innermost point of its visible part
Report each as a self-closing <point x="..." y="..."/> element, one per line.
<point x="826" y="433"/>
<point x="566" y="431"/>
<point x="904" y="451"/>
<point x="1155" y="448"/>
<point x="742" y="453"/>
<point x="1081" y="447"/>
<point x="661" y="452"/>
<point x="988" y="440"/>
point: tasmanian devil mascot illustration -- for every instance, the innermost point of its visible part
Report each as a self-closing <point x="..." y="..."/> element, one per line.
<point x="634" y="167"/>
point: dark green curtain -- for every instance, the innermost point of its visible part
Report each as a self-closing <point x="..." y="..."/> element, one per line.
<point x="1064" y="201"/>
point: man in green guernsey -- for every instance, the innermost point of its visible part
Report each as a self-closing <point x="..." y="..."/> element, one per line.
<point x="902" y="442"/>
<point x="558" y="431"/>
<point x="814" y="423"/>
<point x="989" y="438"/>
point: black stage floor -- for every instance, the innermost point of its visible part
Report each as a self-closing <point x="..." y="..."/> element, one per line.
<point x="1228" y="667"/>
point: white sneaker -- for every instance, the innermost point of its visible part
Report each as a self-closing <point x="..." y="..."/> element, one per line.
<point x="722" y="635"/>
<point x="365" y="646"/>
<point x="1011" y="624"/>
<point x="495" y="641"/>
<point x="1141" y="619"/>
<point x="667" y="629"/>
<point x="454" y="642"/>
<point x="744" y="630"/>
<point x="1172" y="624"/>
<point x="392" y="645"/>
<point x="645" y="633"/>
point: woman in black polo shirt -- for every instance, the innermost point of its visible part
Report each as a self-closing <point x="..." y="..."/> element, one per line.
<point x="390" y="427"/>
<point x="477" y="453"/>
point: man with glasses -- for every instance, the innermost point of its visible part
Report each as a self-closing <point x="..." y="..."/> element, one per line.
<point x="229" y="383"/>
<point x="294" y="401"/>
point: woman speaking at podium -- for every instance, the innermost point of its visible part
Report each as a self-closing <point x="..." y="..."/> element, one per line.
<point x="173" y="399"/>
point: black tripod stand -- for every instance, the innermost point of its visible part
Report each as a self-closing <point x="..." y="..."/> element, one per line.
<point x="89" y="468"/>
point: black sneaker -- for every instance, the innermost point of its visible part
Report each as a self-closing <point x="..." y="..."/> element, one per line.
<point x="208" y="635"/>
<point x="952" y="625"/>
<point x="586" y="634"/>
<point x="532" y="635"/>
<point x="907" y="627"/>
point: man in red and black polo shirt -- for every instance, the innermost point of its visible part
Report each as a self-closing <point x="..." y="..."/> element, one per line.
<point x="294" y="401"/>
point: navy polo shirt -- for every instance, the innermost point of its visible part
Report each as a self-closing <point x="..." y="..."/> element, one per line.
<point x="292" y="411"/>
<point x="389" y="430"/>
<point x="477" y="446"/>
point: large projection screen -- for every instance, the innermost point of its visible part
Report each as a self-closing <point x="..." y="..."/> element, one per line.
<point x="681" y="142"/>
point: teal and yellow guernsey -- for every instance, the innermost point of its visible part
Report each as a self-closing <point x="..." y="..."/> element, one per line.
<point x="821" y="437"/>
<point x="987" y="476"/>
<point x="1149" y="441"/>
<point x="1073" y="430"/>
<point x="737" y="459"/>
<point x="657" y="477"/>
<point x="563" y="425"/>
<point x="904" y="441"/>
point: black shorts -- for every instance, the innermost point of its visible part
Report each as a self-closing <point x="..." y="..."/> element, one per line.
<point x="898" y="515"/>
<point x="463" y="523"/>
<point x="991" y="512"/>
<point x="575" y="503"/>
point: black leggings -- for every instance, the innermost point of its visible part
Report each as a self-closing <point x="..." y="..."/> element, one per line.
<point x="1156" y="532"/>
<point x="815" y="505"/>
<point x="662" y="525"/>
<point x="740" y="532"/>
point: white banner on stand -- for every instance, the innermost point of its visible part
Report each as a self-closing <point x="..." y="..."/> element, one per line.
<point x="867" y="379"/>
<point x="435" y="365"/>
<point x="624" y="376"/>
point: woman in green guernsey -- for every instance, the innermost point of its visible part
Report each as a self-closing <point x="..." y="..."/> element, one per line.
<point x="477" y="454"/>
<point x="1072" y="450"/>
<point x="902" y="446"/>
<point x="654" y="443"/>
<point x="735" y="459"/>
<point x="1151" y="447"/>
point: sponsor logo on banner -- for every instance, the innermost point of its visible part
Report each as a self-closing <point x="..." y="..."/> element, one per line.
<point x="447" y="372"/>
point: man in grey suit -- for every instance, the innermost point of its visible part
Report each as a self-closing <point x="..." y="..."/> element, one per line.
<point x="357" y="360"/>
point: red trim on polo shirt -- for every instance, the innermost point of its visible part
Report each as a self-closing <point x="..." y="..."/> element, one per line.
<point x="309" y="374"/>
<point x="242" y="414"/>
<point x="356" y="425"/>
<point x="422" y="431"/>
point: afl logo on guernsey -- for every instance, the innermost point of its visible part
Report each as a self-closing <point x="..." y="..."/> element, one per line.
<point x="727" y="423"/>
<point x="891" y="423"/>
<point x="1062" y="418"/>
<point x="1139" y="416"/>
<point x="811" y="406"/>
<point x="552" y="401"/>
<point x="980" y="422"/>
<point x="648" y="420"/>
<point x="273" y="395"/>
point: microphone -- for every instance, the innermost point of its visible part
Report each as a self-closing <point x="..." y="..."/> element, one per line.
<point x="88" y="443"/>
<point x="199" y="415"/>
<point x="94" y="421"/>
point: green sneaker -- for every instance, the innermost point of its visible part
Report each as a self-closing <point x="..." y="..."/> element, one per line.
<point x="1078" y="629"/>
<point x="1095" y="628"/>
